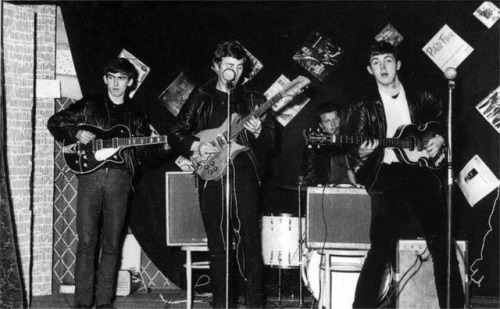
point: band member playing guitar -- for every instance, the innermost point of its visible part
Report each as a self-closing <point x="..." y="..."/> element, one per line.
<point x="396" y="188"/>
<point x="205" y="109"/>
<point x="104" y="184"/>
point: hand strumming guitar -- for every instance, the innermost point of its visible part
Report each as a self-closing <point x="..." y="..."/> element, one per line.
<point x="84" y="136"/>
<point x="434" y="145"/>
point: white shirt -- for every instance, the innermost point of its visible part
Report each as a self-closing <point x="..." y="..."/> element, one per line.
<point x="397" y="114"/>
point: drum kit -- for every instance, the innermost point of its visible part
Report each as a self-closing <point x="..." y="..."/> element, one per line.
<point x="283" y="247"/>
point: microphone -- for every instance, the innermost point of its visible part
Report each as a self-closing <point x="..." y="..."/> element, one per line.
<point x="229" y="76"/>
<point x="450" y="73"/>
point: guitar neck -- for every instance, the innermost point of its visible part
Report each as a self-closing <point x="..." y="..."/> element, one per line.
<point x="358" y="140"/>
<point x="129" y="142"/>
<point x="238" y="127"/>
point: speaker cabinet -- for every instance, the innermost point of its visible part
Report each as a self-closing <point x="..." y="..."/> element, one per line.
<point x="415" y="286"/>
<point x="184" y="223"/>
<point x="338" y="218"/>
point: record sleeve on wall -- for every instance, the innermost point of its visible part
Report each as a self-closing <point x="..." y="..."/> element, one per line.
<point x="176" y="94"/>
<point x="142" y="69"/>
<point x="318" y="55"/>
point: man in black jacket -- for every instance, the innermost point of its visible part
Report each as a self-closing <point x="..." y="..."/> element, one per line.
<point x="103" y="191"/>
<point x="206" y="108"/>
<point x="398" y="188"/>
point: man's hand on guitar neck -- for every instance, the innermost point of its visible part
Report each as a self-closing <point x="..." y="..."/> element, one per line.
<point x="367" y="147"/>
<point x="84" y="136"/>
<point x="254" y="125"/>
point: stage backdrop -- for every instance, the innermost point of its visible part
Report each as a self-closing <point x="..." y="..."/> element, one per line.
<point x="176" y="37"/>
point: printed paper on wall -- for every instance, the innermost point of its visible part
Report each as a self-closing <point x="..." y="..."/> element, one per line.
<point x="446" y="49"/>
<point x="142" y="69"/>
<point x="176" y="94"/>
<point x="476" y="180"/>
<point x="318" y="55"/>
<point x="490" y="109"/>
<point x="390" y="35"/>
<point x="487" y="13"/>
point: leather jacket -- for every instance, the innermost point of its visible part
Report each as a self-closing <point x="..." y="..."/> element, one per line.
<point x="198" y="111"/>
<point x="95" y="111"/>
<point x="368" y="119"/>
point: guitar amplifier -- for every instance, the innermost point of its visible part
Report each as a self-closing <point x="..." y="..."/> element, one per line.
<point x="184" y="223"/>
<point x="416" y="287"/>
<point x="338" y="218"/>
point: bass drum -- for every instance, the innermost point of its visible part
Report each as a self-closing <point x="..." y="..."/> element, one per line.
<point x="313" y="270"/>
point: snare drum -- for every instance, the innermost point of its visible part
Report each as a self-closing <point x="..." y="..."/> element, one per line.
<point x="280" y="240"/>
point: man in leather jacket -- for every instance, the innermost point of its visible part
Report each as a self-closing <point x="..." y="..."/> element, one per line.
<point x="206" y="108"/>
<point x="328" y="164"/>
<point x="397" y="188"/>
<point x="103" y="193"/>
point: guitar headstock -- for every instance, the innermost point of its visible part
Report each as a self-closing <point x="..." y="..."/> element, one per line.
<point x="317" y="138"/>
<point x="295" y="87"/>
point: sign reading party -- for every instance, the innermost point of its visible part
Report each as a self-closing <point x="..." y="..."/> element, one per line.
<point x="446" y="49"/>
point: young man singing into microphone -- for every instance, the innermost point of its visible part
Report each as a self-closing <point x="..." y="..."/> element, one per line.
<point x="206" y="108"/>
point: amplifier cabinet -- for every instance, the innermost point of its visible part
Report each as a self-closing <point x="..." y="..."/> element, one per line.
<point x="184" y="223"/>
<point x="415" y="274"/>
<point x="338" y="218"/>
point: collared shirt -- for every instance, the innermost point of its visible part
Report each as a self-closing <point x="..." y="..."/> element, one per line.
<point x="397" y="114"/>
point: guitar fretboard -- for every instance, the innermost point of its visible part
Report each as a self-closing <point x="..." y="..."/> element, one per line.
<point x="128" y="142"/>
<point x="384" y="142"/>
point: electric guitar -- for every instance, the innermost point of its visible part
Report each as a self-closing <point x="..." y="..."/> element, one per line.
<point x="408" y="143"/>
<point x="106" y="147"/>
<point x="214" y="167"/>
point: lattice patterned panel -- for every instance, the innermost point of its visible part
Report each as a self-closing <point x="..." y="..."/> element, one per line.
<point x="65" y="238"/>
<point x="152" y="276"/>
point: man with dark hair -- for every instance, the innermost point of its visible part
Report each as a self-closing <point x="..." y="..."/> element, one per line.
<point x="103" y="192"/>
<point x="328" y="164"/>
<point x="206" y="108"/>
<point x="398" y="186"/>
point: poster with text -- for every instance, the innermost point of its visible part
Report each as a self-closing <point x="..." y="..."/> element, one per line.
<point x="446" y="49"/>
<point x="176" y="94"/>
<point x="142" y="69"/>
<point x="490" y="109"/>
<point x="318" y="55"/>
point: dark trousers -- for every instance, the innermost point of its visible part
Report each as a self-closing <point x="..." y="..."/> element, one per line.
<point x="101" y="193"/>
<point x="244" y="229"/>
<point x="418" y="190"/>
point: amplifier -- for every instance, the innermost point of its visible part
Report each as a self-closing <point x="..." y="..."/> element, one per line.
<point x="184" y="223"/>
<point x="415" y="282"/>
<point x="338" y="218"/>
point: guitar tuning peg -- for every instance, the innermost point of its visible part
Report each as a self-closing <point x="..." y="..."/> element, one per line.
<point x="309" y="146"/>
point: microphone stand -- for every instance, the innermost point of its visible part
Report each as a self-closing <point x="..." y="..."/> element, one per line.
<point x="230" y="87"/>
<point x="300" y="182"/>
<point x="450" y="74"/>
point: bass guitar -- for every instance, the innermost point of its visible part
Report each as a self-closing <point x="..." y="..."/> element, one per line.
<point x="214" y="167"/>
<point x="408" y="143"/>
<point x="106" y="147"/>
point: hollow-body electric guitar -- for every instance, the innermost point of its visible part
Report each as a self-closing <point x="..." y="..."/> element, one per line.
<point x="214" y="167"/>
<point x="408" y="143"/>
<point x="106" y="147"/>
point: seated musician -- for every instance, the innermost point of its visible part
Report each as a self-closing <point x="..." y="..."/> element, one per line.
<point x="328" y="164"/>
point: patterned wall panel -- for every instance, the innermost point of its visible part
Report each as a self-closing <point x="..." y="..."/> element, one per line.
<point x="43" y="164"/>
<point x="65" y="190"/>
<point x="18" y="40"/>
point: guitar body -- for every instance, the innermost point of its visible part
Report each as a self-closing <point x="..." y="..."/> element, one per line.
<point x="84" y="158"/>
<point x="214" y="167"/>
<point x="416" y="155"/>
